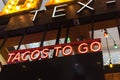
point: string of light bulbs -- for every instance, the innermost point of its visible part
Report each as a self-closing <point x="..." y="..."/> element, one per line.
<point x="106" y="36"/>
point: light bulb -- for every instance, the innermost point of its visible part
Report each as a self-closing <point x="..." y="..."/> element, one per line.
<point x="28" y="5"/>
<point x="68" y="39"/>
<point x="18" y="8"/>
<point x="12" y="3"/>
<point x="105" y="34"/>
<point x="9" y="6"/>
<point x="111" y="65"/>
<point x="7" y="11"/>
<point x="115" y="46"/>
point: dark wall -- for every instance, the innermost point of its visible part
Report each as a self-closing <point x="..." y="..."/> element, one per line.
<point x="78" y="67"/>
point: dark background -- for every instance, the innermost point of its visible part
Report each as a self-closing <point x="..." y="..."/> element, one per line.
<point x="78" y="67"/>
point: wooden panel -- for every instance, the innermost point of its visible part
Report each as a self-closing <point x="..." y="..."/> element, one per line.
<point x="112" y="76"/>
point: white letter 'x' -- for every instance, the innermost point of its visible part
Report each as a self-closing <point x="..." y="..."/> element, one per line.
<point x="85" y="6"/>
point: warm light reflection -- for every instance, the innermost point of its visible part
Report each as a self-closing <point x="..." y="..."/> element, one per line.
<point x="13" y="6"/>
<point x="9" y="6"/>
<point x="111" y="65"/>
<point x="18" y="8"/>
<point x="51" y="2"/>
<point x="12" y="2"/>
<point x="28" y="5"/>
<point x="6" y="11"/>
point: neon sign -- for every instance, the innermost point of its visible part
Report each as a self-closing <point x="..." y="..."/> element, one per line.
<point x="83" y="47"/>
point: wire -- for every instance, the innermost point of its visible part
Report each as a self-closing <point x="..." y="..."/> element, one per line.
<point x="108" y="34"/>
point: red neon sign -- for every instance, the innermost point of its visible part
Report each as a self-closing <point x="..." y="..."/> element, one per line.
<point x="83" y="47"/>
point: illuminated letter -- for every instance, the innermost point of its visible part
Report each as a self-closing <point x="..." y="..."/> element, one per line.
<point x="68" y="53"/>
<point x="10" y="57"/>
<point x="45" y="53"/>
<point x="83" y="48"/>
<point x="42" y="7"/>
<point x="57" y="51"/>
<point x="23" y="57"/>
<point x="16" y="58"/>
<point x="110" y="1"/>
<point x="57" y="11"/>
<point x="35" y="55"/>
<point x="85" y="6"/>
<point x="93" y="44"/>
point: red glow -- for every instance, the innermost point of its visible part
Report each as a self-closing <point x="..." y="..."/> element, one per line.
<point x="83" y="48"/>
<point x="65" y="48"/>
<point x="105" y="34"/>
<point x="44" y="52"/>
<point x="10" y="57"/>
<point x="23" y="57"/>
<point x="35" y="55"/>
<point x="57" y="50"/>
<point x="17" y="57"/>
<point x="95" y="44"/>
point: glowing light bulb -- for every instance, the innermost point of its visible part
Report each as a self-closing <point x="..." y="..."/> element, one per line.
<point x="28" y="5"/>
<point x="9" y="6"/>
<point x="115" y="46"/>
<point x="105" y="34"/>
<point x="18" y="8"/>
<point x="12" y="3"/>
<point x="6" y="11"/>
<point x="111" y="65"/>
<point x="68" y="39"/>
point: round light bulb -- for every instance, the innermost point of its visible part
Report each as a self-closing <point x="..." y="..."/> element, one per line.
<point x="9" y="6"/>
<point x="28" y="5"/>
<point x="7" y="11"/>
<point x="12" y="3"/>
<point x="111" y="65"/>
<point x="18" y="8"/>
<point x="105" y="34"/>
<point x="115" y="46"/>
